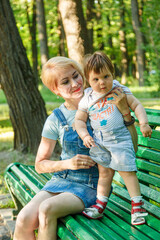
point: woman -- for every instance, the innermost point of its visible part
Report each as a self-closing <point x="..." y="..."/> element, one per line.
<point x="75" y="175"/>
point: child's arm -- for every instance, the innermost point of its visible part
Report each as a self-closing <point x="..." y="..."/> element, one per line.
<point x="81" y="128"/>
<point x="140" y="113"/>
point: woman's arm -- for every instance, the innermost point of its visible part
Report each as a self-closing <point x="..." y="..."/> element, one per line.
<point x="43" y="164"/>
<point x="120" y="100"/>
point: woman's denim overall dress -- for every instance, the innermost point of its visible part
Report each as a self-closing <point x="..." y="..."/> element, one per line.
<point x="82" y="182"/>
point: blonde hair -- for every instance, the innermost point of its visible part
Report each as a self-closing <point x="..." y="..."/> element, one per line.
<point x="50" y="68"/>
<point x="97" y="62"/>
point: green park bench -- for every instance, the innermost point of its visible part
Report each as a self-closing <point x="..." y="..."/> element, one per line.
<point x="24" y="182"/>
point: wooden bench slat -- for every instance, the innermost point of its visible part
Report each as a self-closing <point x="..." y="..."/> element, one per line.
<point x="143" y="231"/>
<point x="19" y="190"/>
<point x="145" y="190"/>
<point x="148" y="206"/>
<point x="24" y="182"/>
<point x="45" y="176"/>
<point x="149" y="142"/>
<point x="152" y="119"/>
<point x="78" y="230"/>
<point x="155" y="134"/>
<point x="148" y="178"/>
<point x="94" y="228"/>
<point x="64" y="233"/>
<point x="149" y="154"/>
<point x="148" y="166"/>
<point x="152" y="111"/>
<point x="25" y="179"/>
<point x="33" y="177"/>
<point x="115" y="227"/>
<point x="97" y="228"/>
<point x="122" y="204"/>
<point x="121" y="224"/>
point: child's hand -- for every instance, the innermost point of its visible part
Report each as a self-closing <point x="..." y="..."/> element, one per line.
<point x="89" y="142"/>
<point x="146" y="130"/>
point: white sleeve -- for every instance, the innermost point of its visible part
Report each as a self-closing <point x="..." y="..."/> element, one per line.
<point x="125" y="89"/>
<point x="83" y="104"/>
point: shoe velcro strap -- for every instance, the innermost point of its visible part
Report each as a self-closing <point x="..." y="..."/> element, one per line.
<point x="100" y="210"/>
<point x="137" y="204"/>
<point x="138" y="210"/>
<point x="101" y="203"/>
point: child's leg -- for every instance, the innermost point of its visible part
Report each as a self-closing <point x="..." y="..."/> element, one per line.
<point x="131" y="182"/>
<point x="103" y="191"/>
<point x="133" y="187"/>
<point x="104" y="181"/>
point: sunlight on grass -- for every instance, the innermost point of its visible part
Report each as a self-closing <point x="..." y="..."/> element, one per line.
<point x="148" y="103"/>
<point x="145" y="92"/>
<point x="48" y="96"/>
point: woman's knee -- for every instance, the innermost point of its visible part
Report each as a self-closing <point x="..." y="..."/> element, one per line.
<point x="27" y="218"/>
<point x="47" y="213"/>
<point x="48" y="208"/>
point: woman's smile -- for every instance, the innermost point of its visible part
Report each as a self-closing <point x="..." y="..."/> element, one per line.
<point x="77" y="90"/>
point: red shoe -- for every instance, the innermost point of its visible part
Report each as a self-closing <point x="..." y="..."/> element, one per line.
<point x="95" y="211"/>
<point x="138" y="214"/>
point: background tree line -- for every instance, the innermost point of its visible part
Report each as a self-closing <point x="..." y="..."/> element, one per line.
<point x="127" y="30"/>
<point x="34" y="30"/>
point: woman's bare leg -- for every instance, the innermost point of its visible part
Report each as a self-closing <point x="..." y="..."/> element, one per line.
<point x="27" y="219"/>
<point x="53" y="208"/>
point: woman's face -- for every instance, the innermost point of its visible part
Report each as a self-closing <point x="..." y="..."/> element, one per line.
<point x="70" y="83"/>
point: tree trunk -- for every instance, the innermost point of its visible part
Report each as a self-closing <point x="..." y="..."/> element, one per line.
<point x="139" y="41"/>
<point x="32" y="30"/>
<point x="42" y="31"/>
<point x="99" y="25"/>
<point x="75" y="28"/>
<point x="123" y="44"/>
<point x="90" y="22"/>
<point x="27" y="108"/>
<point x="110" y="41"/>
<point x="62" y="36"/>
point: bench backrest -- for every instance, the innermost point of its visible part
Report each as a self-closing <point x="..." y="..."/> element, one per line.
<point x="24" y="182"/>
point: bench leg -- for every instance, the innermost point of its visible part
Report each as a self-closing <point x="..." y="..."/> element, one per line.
<point x="17" y="203"/>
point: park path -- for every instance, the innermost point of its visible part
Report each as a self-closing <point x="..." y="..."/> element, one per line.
<point x="7" y="224"/>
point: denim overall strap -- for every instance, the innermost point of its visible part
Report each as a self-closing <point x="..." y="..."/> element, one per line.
<point x="60" y="116"/>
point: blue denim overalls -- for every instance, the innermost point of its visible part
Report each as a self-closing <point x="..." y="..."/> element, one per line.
<point x="82" y="182"/>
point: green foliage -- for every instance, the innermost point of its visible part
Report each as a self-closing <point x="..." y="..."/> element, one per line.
<point x="2" y="97"/>
<point x="106" y="29"/>
<point x="8" y="204"/>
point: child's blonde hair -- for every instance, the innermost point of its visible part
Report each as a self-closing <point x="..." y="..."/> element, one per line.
<point x="49" y="76"/>
<point x="97" y="62"/>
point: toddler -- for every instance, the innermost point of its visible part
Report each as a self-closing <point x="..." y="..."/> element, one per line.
<point x="111" y="146"/>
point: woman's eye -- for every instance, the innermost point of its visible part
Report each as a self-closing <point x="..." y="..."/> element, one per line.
<point x="65" y="82"/>
<point x="75" y="76"/>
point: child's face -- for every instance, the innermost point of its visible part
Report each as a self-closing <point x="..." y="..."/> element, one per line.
<point x="69" y="84"/>
<point x="102" y="82"/>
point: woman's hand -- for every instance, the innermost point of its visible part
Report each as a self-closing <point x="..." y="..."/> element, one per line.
<point x="119" y="99"/>
<point x="81" y="162"/>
